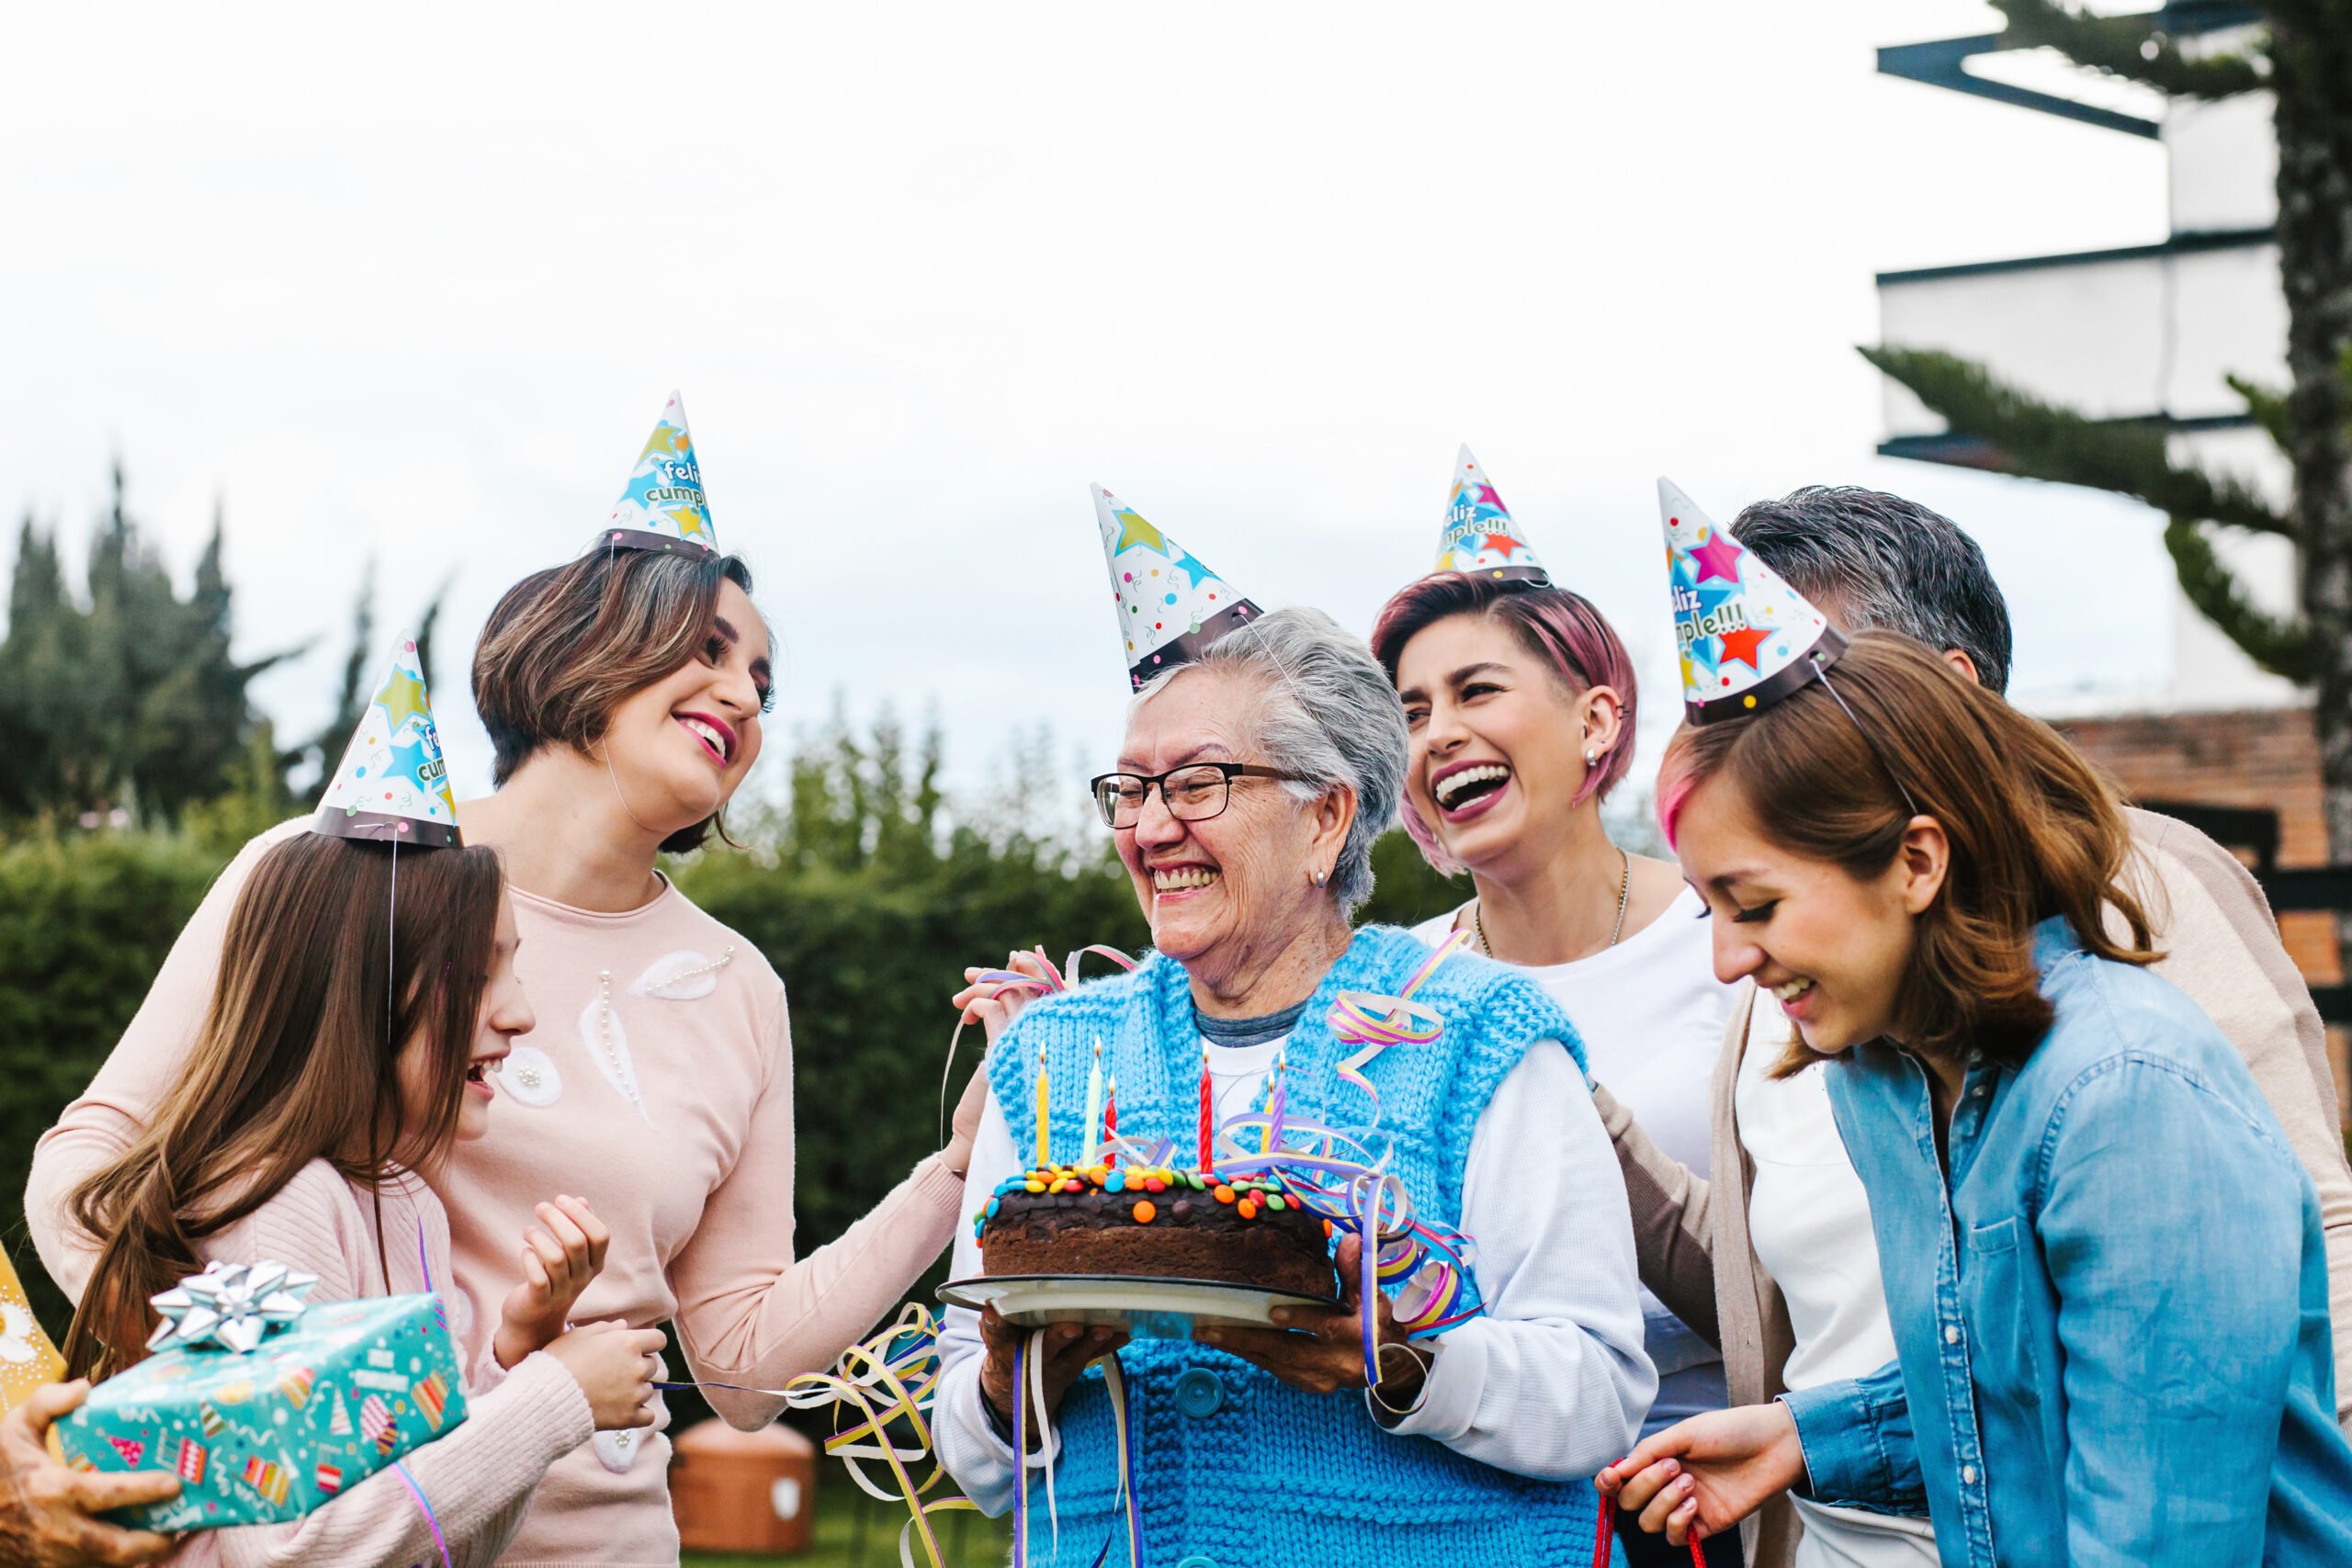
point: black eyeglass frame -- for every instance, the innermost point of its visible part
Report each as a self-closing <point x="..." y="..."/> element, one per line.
<point x="1232" y="770"/>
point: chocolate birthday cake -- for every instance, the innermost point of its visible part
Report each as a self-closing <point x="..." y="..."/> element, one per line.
<point x="1156" y="1223"/>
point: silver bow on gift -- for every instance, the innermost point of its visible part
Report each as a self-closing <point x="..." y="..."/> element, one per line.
<point x="233" y="1305"/>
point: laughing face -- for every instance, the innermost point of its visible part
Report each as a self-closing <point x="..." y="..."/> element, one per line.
<point x="1219" y="891"/>
<point x="1497" y="743"/>
<point x="505" y="1013"/>
<point x="1830" y="946"/>
<point x="680" y="746"/>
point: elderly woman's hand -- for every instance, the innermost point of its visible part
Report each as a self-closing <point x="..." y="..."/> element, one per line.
<point x="1320" y="1349"/>
<point x="991" y="1008"/>
<point x="45" y="1508"/>
<point x="1069" y="1350"/>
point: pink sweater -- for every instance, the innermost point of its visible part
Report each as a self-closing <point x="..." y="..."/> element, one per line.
<point x="479" y="1477"/>
<point x="657" y="1086"/>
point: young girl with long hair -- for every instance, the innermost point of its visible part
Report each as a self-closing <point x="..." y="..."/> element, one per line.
<point x="2102" y="1261"/>
<point x="347" y="1048"/>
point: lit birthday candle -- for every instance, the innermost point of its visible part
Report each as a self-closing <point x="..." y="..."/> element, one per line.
<point x="1208" y="1126"/>
<point x="1045" y="1142"/>
<point x="1111" y="1118"/>
<point x="1093" y="1105"/>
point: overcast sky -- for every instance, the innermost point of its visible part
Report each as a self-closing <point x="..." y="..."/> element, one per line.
<point x="413" y="285"/>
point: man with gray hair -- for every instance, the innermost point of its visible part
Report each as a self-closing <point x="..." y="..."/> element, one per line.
<point x="1875" y="561"/>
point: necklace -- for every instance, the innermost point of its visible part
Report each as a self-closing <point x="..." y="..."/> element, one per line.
<point x="1625" y="887"/>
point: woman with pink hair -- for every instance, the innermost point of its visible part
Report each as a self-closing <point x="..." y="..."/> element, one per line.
<point x="1519" y="700"/>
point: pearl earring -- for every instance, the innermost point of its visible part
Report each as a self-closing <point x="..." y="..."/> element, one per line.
<point x="1319" y="877"/>
<point x="1591" y="755"/>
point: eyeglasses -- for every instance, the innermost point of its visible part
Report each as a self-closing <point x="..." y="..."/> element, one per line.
<point x="1193" y="793"/>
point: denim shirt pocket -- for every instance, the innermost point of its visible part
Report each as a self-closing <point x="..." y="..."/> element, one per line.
<point x="2002" y="1362"/>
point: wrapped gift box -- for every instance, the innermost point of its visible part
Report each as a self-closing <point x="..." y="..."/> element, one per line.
<point x="264" y="1435"/>
<point x="28" y="1360"/>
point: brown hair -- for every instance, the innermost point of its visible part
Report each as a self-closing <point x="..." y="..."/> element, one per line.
<point x="2034" y="831"/>
<point x="565" y="646"/>
<point x="295" y="1062"/>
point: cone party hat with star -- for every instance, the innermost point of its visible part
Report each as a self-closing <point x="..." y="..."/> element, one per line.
<point x="1478" y="536"/>
<point x="1170" y="606"/>
<point x="393" y="785"/>
<point x="1747" y="639"/>
<point x="663" y="507"/>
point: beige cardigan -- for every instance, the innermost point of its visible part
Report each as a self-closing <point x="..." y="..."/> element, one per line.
<point x="2221" y="947"/>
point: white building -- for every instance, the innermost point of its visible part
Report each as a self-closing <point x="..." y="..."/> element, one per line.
<point x="2143" y="332"/>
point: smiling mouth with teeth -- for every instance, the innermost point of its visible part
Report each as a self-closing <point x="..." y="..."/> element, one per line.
<point x="1179" y="878"/>
<point x="1788" y="991"/>
<point x="707" y="735"/>
<point x="1469" y="783"/>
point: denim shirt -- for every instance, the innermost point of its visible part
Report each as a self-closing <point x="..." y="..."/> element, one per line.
<point x="2111" y="1323"/>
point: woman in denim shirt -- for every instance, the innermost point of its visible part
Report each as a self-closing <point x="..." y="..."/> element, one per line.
<point x="2102" y="1261"/>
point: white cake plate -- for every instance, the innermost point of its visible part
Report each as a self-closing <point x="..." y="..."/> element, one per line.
<point x="1151" y="1308"/>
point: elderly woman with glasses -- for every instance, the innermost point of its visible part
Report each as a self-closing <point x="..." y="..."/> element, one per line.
<point x="1250" y="786"/>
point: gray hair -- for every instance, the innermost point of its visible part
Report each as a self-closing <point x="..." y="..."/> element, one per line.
<point x="1328" y="715"/>
<point x="1889" y="565"/>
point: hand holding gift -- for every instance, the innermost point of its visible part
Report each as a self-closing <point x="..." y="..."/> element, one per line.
<point x="558" y="1264"/>
<point x="46" y="1508"/>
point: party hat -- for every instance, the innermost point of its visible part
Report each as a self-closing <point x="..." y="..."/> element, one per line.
<point x="1480" y="536"/>
<point x="391" y="786"/>
<point x="1170" y="606"/>
<point x="663" y="509"/>
<point x="1747" y="638"/>
<point x="28" y="1360"/>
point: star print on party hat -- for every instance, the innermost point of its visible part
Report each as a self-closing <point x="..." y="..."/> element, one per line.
<point x="1171" y="605"/>
<point x="1747" y="639"/>
<point x="393" y="785"/>
<point x="663" y="509"/>
<point x="1480" y="536"/>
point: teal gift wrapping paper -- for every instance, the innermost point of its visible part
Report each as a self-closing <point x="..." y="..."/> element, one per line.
<point x="269" y="1435"/>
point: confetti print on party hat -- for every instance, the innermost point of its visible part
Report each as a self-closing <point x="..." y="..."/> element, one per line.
<point x="1747" y="639"/>
<point x="663" y="507"/>
<point x="393" y="785"/>
<point x="1478" y="536"/>
<point x="1171" y="605"/>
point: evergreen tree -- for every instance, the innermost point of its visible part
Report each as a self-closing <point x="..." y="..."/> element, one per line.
<point x="2302" y="56"/>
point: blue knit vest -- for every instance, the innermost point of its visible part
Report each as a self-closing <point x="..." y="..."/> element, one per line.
<point x="1273" y="1477"/>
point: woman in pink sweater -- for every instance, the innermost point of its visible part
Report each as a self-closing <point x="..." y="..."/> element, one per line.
<point x="289" y="1136"/>
<point x="624" y="692"/>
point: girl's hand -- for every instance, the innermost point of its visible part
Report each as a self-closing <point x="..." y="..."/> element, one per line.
<point x="557" y="1263"/>
<point x="1703" y="1475"/>
<point x="957" y="1156"/>
<point x="614" y="1366"/>
<point x="1069" y="1348"/>
<point x="1320" y="1349"/>
<point x="995" y="1013"/>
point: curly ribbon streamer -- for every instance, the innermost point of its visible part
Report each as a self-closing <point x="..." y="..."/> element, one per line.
<point x="1376" y="1022"/>
<point x="1000" y="981"/>
<point x="1029" y="1384"/>
<point x="888" y="1379"/>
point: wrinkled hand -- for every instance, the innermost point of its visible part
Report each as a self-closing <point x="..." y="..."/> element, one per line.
<point x="995" y="1013"/>
<point x="557" y="1263"/>
<point x="45" y="1508"/>
<point x="1703" y="1476"/>
<point x="1069" y="1350"/>
<point x="1320" y="1349"/>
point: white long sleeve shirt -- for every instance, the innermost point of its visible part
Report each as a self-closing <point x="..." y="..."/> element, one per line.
<point x="1551" y="1381"/>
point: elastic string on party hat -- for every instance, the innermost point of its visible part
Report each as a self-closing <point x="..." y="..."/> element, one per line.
<point x="1605" y="1535"/>
<point x="1821" y="673"/>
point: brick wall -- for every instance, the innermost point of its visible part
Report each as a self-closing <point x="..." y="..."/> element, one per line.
<point x="2258" y="756"/>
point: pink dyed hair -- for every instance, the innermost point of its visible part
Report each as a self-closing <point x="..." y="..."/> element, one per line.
<point x="1563" y="630"/>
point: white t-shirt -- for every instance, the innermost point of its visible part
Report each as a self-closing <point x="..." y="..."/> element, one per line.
<point x="1651" y="1015"/>
<point x="1809" y="1219"/>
